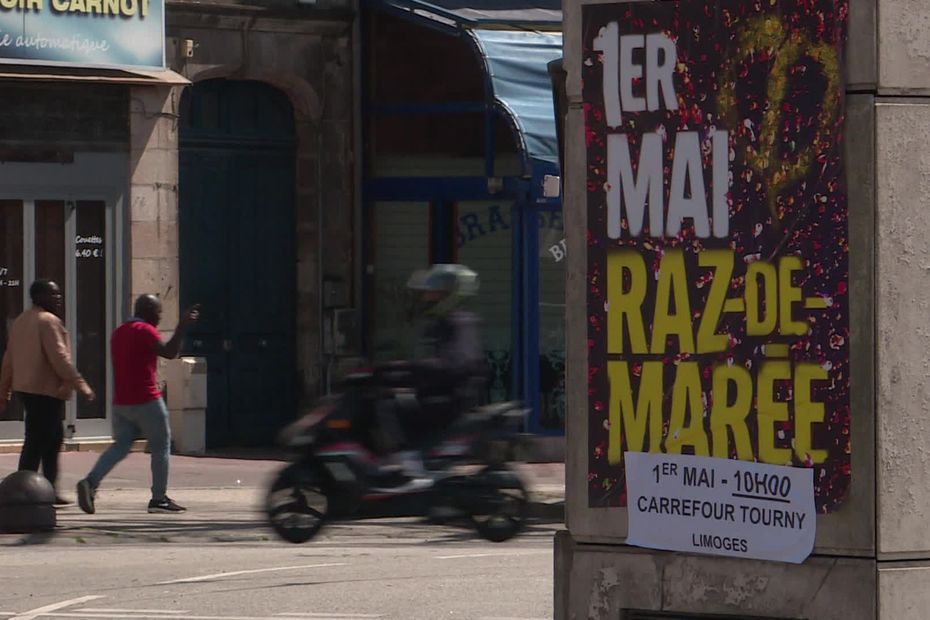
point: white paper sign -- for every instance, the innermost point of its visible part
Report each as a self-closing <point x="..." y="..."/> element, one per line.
<point x="720" y="507"/>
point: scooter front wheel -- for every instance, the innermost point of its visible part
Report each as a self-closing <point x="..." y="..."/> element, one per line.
<point x="500" y="504"/>
<point x="297" y="504"/>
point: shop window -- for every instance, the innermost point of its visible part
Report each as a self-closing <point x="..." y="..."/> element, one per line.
<point x="484" y="237"/>
<point x="11" y="280"/>
<point x="63" y="241"/>
<point x="401" y="245"/>
<point x="552" y="253"/>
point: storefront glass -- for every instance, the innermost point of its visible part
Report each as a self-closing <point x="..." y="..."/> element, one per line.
<point x="401" y="242"/>
<point x="90" y="300"/>
<point x="551" y="320"/>
<point x="485" y="244"/>
<point x="65" y="241"/>
<point x="11" y="280"/>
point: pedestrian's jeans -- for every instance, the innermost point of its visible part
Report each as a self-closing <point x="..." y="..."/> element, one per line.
<point x="129" y="422"/>
<point x="44" y="434"/>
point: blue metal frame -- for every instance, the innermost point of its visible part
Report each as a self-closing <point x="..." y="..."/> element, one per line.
<point x="517" y="334"/>
<point x="531" y="298"/>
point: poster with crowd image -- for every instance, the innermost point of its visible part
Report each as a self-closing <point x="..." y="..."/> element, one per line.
<point x="717" y="255"/>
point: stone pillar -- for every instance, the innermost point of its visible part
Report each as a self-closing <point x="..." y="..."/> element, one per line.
<point x="152" y="221"/>
<point x="902" y="303"/>
<point x="872" y="557"/>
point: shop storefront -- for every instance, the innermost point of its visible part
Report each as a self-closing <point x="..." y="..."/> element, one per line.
<point x="72" y="157"/>
<point x="461" y="165"/>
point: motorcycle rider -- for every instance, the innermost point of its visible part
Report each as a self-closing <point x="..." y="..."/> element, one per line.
<point x="449" y="371"/>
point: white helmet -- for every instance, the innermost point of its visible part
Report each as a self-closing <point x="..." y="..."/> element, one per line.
<point x="457" y="281"/>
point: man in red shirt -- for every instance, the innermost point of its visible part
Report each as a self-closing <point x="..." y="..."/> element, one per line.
<point x="138" y="407"/>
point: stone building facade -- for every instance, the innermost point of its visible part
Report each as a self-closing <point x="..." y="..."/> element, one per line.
<point x="290" y="70"/>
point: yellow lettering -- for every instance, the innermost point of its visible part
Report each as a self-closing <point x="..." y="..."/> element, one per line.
<point x="60" y="5"/>
<point x="686" y="394"/>
<point x="764" y="325"/>
<point x="634" y="422"/>
<point x="145" y="8"/>
<point x="724" y="415"/>
<point x="94" y="6"/>
<point x="128" y="7"/>
<point x="789" y="294"/>
<point x="673" y="281"/>
<point x="708" y="340"/>
<point x="111" y="7"/>
<point x="9" y="4"/>
<point x="625" y="306"/>
<point x="806" y="411"/>
<point x="35" y="5"/>
<point x="771" y="411"/>
<point x="77" y="6"/>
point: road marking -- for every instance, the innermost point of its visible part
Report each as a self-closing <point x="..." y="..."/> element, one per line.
<point x="493" y="555"/>
<point x="91" y="610"/>
<point x="43" y="611"/>
<point x="78" y="614"/>
<point x="244" y="572"/>
<point x="310" y="614"/>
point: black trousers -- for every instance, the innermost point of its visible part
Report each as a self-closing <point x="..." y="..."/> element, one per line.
<point x="44" y="434"/>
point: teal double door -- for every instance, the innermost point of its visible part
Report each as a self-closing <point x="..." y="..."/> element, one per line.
<point x="238" y="256"/>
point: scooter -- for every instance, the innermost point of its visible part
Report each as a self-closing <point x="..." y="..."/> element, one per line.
<point x="336" y="473"/>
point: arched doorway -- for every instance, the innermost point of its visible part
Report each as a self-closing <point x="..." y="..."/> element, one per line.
<point x="237" y="254"/>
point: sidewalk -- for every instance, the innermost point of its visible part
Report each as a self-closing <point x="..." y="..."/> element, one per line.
<point x="235" y="485"/>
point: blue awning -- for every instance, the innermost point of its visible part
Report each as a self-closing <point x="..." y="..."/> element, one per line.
<point x="516" y="40"/>
<point x="517" y="64"/>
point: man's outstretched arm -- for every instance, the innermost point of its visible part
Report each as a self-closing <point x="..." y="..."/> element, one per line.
<point x="171" y="349"/>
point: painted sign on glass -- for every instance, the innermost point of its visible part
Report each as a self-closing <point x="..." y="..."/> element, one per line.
<point x="717" y="237"/>
<point x="83" y="33"/>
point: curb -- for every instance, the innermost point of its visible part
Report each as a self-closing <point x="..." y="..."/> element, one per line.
<point x="15" y="447"/>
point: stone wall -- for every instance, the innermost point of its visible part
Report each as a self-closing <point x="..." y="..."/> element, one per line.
<point x="153" y="197"/>
<point x="308" y="56"/>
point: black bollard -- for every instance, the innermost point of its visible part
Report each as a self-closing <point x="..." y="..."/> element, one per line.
<point x="27" y="504"/>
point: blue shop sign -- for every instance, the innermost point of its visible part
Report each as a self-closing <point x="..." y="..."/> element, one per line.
<point x="83" y="33"/>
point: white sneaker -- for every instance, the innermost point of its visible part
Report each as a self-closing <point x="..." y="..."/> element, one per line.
<point x="413" y="485"/>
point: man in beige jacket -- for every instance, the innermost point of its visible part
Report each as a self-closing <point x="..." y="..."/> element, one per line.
<point x="37" y="366"/>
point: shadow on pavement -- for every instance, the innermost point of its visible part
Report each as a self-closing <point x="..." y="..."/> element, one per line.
<point x="371" y="532"/>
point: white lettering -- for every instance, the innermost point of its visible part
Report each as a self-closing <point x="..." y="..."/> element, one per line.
<point x="608" y="42"/>
<point x="660" y="71"/>
<point x="634" y="188"/>
<point x="630" y="71"/>
<point x="687" y="163"/>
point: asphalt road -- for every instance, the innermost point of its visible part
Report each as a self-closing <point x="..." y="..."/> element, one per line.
<point x="219" y="562"/>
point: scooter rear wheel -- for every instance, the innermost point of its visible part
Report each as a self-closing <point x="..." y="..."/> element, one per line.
<point x="297" y="504"/>
<point x="500" y="505"/>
